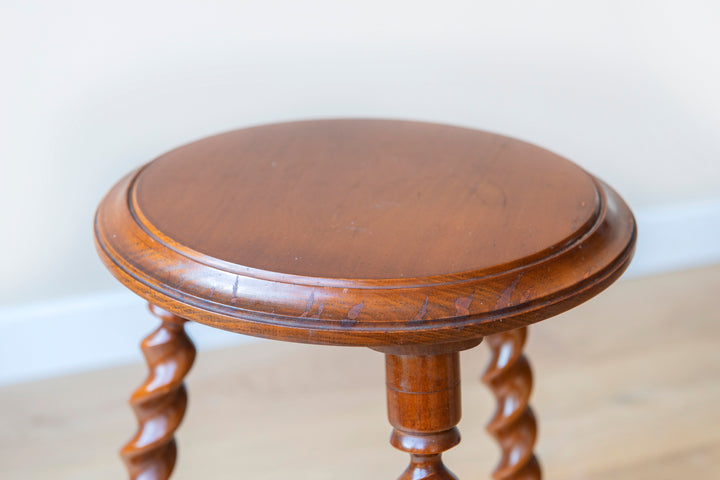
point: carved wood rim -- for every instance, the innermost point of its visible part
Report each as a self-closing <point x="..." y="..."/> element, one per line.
<point x="320" y="310"/>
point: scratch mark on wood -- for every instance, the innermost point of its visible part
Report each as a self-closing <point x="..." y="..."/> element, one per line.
<point x="322" y="305"/>
<point x="423" y="310"/>
<point x="504" y="300"/>
<point x="355" y="311"/>
<point x="310" y="302"/>
<point x="462" y="305"/>
<point x="236" y="285"/>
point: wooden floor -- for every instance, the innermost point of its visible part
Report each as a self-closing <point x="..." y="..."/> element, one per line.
<point x="639" y="401"/>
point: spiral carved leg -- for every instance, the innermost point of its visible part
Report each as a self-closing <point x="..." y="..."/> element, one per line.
<point x="159" y="403"/>
<point x="513" y="425"/>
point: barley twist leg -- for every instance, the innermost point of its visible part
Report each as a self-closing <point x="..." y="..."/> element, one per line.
<point x="513" y="425"/>
<point x="159" y="403"/>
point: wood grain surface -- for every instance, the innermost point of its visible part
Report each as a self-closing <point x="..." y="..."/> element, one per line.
<point x="364" y="232"/>
<point x="358" y="199"/>
<point x="423" y="396"/>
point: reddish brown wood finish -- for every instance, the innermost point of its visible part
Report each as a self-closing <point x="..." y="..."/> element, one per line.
<point x="364" y="232"/>
<point x="513" y="425"/>
<point x="423" y="395"/>
<point x="159" y="403"/>
<point x="414" y="239"/>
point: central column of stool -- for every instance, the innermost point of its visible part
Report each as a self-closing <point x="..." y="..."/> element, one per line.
<point x="423" y="395"/>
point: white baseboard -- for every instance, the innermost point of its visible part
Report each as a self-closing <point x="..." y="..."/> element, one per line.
<point x="677" y="237"/>
<point x="96" y="331"/>
<point x="84" y="333"/>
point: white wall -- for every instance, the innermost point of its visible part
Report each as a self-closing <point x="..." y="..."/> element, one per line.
<point x="89" y="90"/>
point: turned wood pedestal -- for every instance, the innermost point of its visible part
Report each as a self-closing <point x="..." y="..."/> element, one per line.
<point x="416" y="240"/>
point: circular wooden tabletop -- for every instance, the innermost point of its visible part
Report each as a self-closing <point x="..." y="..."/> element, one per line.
<point x="364" y="232"/>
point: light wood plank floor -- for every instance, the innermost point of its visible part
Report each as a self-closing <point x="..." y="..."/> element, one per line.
<point x="627" y="387"/>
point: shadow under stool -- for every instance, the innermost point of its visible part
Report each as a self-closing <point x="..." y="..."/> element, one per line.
<point x="416" y="240"/>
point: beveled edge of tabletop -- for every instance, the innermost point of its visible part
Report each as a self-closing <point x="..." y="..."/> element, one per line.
<point x="440" y="309"/>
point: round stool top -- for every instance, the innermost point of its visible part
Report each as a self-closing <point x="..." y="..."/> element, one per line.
<point x="364" y="232"/>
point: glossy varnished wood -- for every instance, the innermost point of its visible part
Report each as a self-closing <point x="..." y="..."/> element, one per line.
<point x="423" y="395"/>
<point x="414" y="239"/>
<point x="364" y="232"/>
<point x="513" y="424"/>
<point x="160" y="402"/>
<point x="363" y="200"/>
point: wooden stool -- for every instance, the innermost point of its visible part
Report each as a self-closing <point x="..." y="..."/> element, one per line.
<point x="416" y="240"/>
